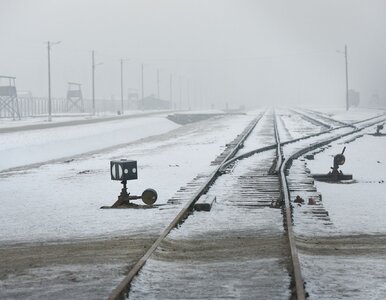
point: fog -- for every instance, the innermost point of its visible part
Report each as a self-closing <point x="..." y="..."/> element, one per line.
<point x="219" y="51"/>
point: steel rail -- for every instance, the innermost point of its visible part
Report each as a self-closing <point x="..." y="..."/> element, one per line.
<point x="312" y="120"/>
<point x="332" y="139"/>
<point x="321" y="115"/>
<point x="296" y="268"/>
<point x="279" y="152"/>
<point x="122" y="290"/>
<point x="245" y="155"/>
<point x="270" y="147"/>
<point x="371" y="118"/>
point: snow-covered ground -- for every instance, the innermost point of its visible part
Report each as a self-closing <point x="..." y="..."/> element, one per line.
<point x="61" y="200"/>
<point x="28" y="121"/>
<point x="36" y="146"/>
<point x="65" y="118"/>
<point x="355" y="207"/>
<point x="352" y="115"/>
<point x="358" y="207"/>
<point x="53" y="231"/>
<point x="344" y="257"/>
<point x="237" y="247"/>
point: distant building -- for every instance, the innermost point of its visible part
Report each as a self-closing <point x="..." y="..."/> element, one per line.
<point x="152" y="102"/>
<point x="353" y="98"/>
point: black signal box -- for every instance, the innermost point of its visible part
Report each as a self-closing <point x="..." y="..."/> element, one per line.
<point x="123" y="170"/>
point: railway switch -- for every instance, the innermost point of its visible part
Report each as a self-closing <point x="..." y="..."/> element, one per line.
<point x="124" y="170"/>
<point x="379" y="128"/>
<point x="378" y="132"/>
<point x="335" y="175"/>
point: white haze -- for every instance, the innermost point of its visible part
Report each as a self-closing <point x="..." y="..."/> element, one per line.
<point x="236" y="52"/>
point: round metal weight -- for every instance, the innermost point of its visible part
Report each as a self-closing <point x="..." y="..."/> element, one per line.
<point x="339" y="159"/>
<point x="149" y="196"/>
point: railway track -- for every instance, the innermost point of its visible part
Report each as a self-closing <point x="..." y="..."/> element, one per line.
<point x="255" y="189"/>
<point x="241" y="243"/>
<point x="327" y="119"/>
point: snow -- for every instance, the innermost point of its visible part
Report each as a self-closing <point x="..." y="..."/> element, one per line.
<point x="62" y="200"/>
<point x="28" y="147"/>
<point x="27" y="121"/>
<point x="238" y="249"/>
<point x="65" y="118"/>
<point x="293" y="126"/>
<point x="349" y="277"/>
<point x="344" y="257"/>
<point x="261" y="136"/>
<point x="353" y="115"/>
<point x="358" y="207"/>
<point x="57" y="278"/>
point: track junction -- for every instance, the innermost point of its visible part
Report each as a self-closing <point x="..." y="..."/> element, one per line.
<point x="247" y="246"/>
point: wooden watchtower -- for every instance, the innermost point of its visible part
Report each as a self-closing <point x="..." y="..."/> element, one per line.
<point x="9" y="104"/>
<point x="74" y="97"/>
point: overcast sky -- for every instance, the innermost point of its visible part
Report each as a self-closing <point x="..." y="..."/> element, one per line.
<point x="230" y="51"/>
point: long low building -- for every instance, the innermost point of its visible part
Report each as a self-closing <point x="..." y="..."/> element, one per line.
<point x="152" y="102"/>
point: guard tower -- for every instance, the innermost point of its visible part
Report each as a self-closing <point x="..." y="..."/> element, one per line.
<point x="9" y="103"/>
<point x="74" y="97"/>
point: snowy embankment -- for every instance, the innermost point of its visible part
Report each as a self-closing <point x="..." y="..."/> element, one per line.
<point x="29" y="147"/>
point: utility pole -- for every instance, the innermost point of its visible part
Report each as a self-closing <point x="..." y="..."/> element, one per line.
<point x="201" y="101"/>
<point x="180" y="81"/>
<point x="345" y="56"/>
<point x="142" y="85"/>
<point x="346" y="64"/>
<point x="122" y="86"/>
<point x="122" y="108"/>
<point x="171" y="91"/>
<point x="49" y="44"/>
<point x="93" y="82"/>
<point x="49" y="81"/>
<point x="158" y="84"/>
<point x="187" y="93"/>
